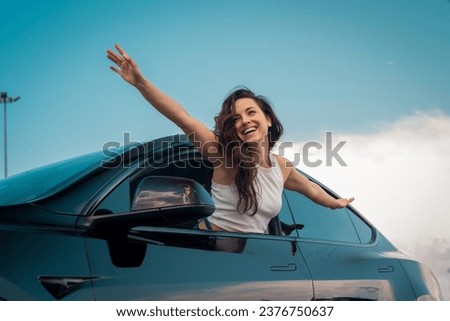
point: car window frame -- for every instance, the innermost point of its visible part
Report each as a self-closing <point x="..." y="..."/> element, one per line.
<point x="351" y="211"/>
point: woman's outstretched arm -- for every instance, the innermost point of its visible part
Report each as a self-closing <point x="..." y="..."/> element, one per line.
<point x="297" y="182"/>
<point x="127" y="68"/>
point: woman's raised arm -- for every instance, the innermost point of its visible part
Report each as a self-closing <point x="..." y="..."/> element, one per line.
<point x="202" y="137"/>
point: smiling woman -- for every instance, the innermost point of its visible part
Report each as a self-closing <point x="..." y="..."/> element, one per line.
<point x="246" y="126"/>
<point x="248" y="180"/>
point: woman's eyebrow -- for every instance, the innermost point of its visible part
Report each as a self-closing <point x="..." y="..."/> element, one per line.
<point x="247" y="109"/>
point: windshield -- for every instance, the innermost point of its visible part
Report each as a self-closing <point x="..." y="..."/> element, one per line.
<point x="37" y="183"/>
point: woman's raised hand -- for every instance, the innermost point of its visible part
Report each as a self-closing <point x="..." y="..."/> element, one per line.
<point x="127" y="68"/>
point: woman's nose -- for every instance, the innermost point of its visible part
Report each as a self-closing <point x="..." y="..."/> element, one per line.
<point x="245" y="119"/>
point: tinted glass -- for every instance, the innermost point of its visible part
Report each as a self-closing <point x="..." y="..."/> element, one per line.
<point x="365" y="232"/>
<point x="118" y="201"/>
<point x="321" y="222"/>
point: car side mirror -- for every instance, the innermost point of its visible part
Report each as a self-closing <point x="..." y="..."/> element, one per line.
<point x="157" y="201"/>
<point x="167" y="192"/>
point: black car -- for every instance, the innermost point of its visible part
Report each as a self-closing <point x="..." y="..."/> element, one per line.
<point x="120" y="224"/>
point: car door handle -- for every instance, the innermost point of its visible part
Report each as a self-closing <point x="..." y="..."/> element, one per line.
<point x="289" y="267"/>
<point x="386" y="269"/>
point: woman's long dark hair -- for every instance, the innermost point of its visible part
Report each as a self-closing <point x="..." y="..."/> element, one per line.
<point x="240" y="155"/>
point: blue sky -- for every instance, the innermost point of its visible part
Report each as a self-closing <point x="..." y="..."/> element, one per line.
<point x="374" y="73"/>
<point x="326" y="66"/>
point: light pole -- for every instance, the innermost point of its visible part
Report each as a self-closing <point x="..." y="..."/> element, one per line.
<point x="5" y="100"/>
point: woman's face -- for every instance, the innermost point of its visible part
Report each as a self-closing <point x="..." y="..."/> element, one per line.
<point x="251" y="124"/>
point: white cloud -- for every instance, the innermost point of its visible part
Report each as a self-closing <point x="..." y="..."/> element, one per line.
<point x="400" y="177"/>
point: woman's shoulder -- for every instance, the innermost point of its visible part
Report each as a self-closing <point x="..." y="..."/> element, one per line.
<point x="285" y="165"/>
<point x="282" y="161"/>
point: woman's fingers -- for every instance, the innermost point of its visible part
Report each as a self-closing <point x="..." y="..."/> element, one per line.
<point x="114" y="69"/>
<point x="119" y="59"/>
<point x="113" y="59"/>
<point x="343" y="202"/>
<point x="124" y="65"/>
<point x="349" y="200"/>
<point x="122" y="52"/>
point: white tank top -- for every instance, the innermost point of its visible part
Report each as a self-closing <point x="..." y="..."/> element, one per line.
<point x="269" y="187"/>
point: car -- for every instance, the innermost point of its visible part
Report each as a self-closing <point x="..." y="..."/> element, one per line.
<point x="120" y="224"/>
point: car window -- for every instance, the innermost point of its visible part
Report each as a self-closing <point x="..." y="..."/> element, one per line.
<point x="118" y="201"/>
<point x="365" y="232"/>
<point x="286" y="219"/>
<point x="320" y="222"/>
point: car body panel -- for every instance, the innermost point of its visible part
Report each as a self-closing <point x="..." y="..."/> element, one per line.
<point x="28" y="257"/>
<point x="343" y="272"/>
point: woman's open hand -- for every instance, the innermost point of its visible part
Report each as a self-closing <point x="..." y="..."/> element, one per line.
<point x="127" y="68"/>
<point x="343" y="202"/>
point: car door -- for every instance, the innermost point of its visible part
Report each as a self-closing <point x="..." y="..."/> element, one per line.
<point x="339" y="248"/>
<point x="43" y="264"/>
<point x="183" y="263"/>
